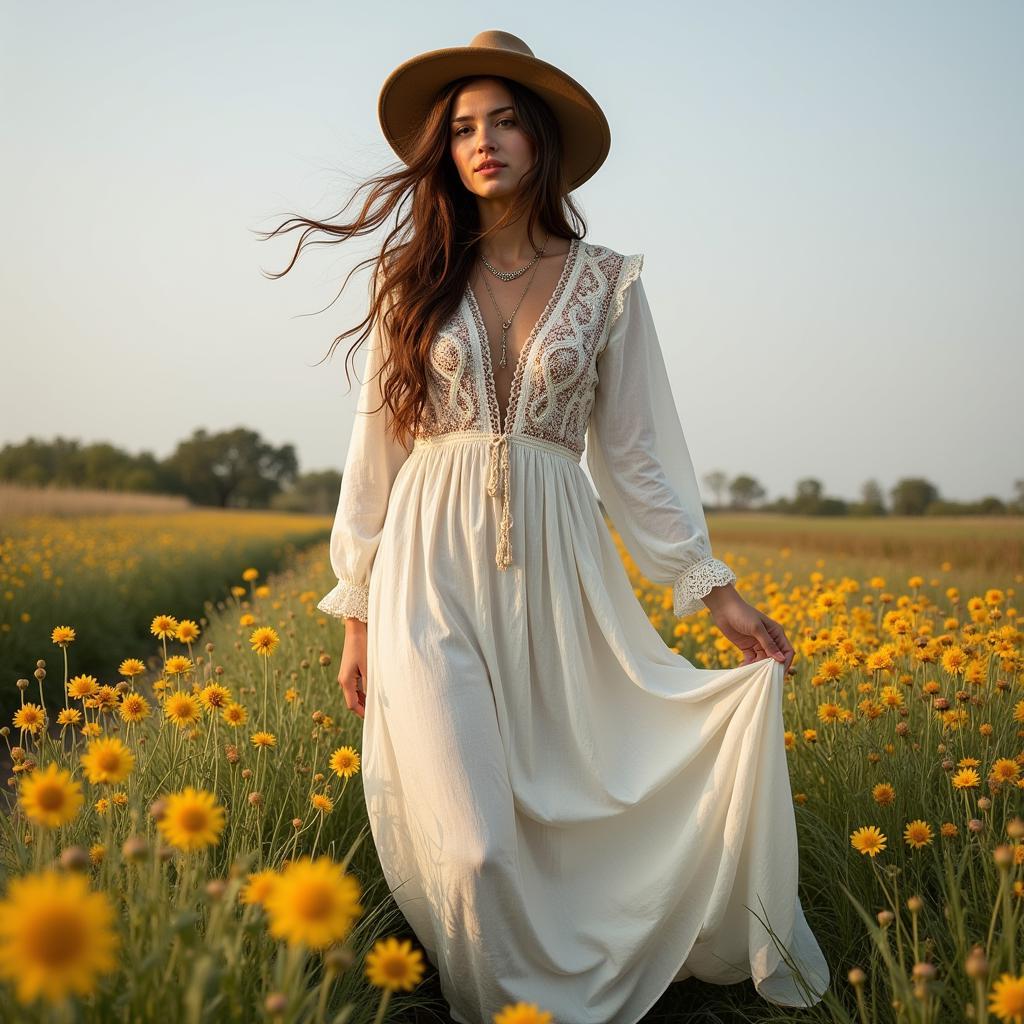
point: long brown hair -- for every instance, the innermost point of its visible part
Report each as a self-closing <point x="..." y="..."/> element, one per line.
<point x="424" y="264"/>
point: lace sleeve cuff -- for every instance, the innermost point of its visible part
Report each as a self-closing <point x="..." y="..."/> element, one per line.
<point x="347" y="600"/>
<point x="698" y="581"/>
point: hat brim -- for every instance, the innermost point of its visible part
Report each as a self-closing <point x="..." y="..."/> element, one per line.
<point x="407" y="93"/>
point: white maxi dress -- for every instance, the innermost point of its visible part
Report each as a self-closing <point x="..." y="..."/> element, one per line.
<point x="567" y="811"/>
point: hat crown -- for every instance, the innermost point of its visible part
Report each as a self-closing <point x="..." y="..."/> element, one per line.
<point x="498" y="40"/>
<point x="407" y="94"/>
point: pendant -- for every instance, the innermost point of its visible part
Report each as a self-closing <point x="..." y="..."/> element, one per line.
<point x="504" y="338"/>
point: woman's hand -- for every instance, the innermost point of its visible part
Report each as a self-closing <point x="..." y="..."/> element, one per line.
<point x="757" y="635"/>
<point x="352" y="674"/>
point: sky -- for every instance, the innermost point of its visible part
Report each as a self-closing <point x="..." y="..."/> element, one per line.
<point x="827" y="196"/>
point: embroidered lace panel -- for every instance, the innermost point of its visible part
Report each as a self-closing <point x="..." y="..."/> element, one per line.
<point x="453" y="375"/>
<point x="561" y="375"/>
<point x="539" y="330"/>
<point x="554" y="383"/>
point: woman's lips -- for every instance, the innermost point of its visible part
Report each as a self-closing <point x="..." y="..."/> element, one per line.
<point x="493" y="169"/>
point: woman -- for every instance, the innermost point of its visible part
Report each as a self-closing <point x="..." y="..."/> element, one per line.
<point x="567" y="811"/>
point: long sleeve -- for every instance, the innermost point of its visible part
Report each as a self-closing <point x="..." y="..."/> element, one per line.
<point x="371" y="465"/>
<point x="638" y="457"/>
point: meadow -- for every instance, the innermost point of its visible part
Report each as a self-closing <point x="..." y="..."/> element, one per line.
<point x="106" y="559"/>
<point x="190" y="843"/>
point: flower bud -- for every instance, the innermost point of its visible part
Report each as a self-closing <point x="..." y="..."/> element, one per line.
<point x="976" y="964"/>
<point x="276" y="1003"/>
<point x="339" y="959"/>
<point x="75" y="858"/>
<point x="135" y="848"/>
<point x="215" y="888"/>
<point x="1003" y="855"/>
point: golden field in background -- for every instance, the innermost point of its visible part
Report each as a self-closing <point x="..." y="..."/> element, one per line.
<point x="109" y="567"/>
<point x="18" y="502"/>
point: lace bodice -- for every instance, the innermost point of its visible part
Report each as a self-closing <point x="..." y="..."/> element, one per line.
<point x="590" y="377"/>
<point x="553" y="384"/>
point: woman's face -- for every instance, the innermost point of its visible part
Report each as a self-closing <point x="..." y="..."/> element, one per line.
<point x="484" y="128"/>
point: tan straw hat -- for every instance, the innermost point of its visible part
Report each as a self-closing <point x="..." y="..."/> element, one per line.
<point x="409" y="90"/>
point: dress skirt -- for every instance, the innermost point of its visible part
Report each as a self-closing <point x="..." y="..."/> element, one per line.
<point x="568" y="812"/>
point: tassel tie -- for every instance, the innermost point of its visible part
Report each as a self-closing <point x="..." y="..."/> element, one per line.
<point x="498" y="465"/>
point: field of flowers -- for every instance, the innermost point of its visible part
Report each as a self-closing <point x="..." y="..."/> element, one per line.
<point x="109" y="568"/>
<point x="191" y="844"/>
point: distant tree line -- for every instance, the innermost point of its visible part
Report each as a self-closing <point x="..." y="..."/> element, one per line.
<point x="231" y="469"/>
<point x="911" y="496"/>
<point x="238" y="469"/>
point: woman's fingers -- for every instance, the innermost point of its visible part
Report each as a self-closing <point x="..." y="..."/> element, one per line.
<point x="355" y="697"/>
<point x="781" y="642"/>
<point x="762" y="632"/>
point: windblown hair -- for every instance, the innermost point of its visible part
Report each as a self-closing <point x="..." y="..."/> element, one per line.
<point x="424" y="264"/>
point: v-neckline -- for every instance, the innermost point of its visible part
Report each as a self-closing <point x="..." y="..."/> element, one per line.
<point x="524" y="353"/>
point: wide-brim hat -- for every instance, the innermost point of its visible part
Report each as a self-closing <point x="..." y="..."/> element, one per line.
<point x="409" y="90"/>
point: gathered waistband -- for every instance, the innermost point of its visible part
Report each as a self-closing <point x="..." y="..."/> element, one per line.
<point x="435" y="441"/>
<point x="498" y="469"/>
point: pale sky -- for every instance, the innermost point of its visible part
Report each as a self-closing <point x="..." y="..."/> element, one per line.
<point x="828" y="196"/>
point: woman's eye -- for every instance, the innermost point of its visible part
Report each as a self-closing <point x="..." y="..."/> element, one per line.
<point x="504" y="120"/>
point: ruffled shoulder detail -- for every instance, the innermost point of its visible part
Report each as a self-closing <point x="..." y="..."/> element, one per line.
<point x="631" y="267"/>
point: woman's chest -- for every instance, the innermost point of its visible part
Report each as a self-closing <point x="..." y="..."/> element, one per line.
<point x="556" y="373"/>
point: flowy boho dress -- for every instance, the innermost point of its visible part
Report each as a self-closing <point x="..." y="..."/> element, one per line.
<point x="567" y="811"/>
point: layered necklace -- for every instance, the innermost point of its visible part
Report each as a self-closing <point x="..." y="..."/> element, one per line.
<point x="511" y="275"/>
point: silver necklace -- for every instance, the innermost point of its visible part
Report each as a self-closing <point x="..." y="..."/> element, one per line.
<point x="506" y="324"/>
<point x="511" y="275"/>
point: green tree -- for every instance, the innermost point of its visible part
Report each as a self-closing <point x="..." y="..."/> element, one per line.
<point x="716" y="482"/>
<point x="316" y="493"/>
<point x="745" y="490"/>
<point x="235" y="468"/>
<point x="912" y="495"/>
